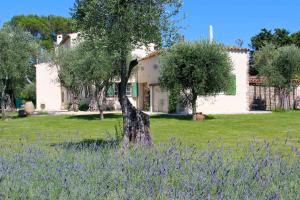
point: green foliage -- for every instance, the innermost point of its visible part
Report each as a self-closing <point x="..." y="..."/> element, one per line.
<point x="84" y="65"/>
<point x="28" y="92"/>
<point x="196" y="68"/>
<point x="122" y="26"/>
<point x="17" y="51"/>
<point x="296" y="38"/>
<point x="259" y="40"/>
<point x="173" y="99"/>
<point x="44" y="28"/>
<point x="83" y="106"/>
<point x="279" y="65"/>
<point x="126" y="24"/>
<point x="280" y="37"/>
<point x="69" y="70"/>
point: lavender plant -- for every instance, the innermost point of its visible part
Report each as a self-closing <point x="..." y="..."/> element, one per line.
<point x="169" y="171"/>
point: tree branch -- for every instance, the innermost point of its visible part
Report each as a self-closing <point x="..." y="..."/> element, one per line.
<point x="132" y="64"/>
<point x="28" y="80"/>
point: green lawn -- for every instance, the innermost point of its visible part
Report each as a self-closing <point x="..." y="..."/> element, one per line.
<point x="223" y="129"/>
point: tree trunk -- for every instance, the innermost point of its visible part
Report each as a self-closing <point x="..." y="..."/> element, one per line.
<point x="194" y="107"/>
<point x="100" y="101"/>
<point x="2" y="99"/>
<point x="101" y="114"/>
<point x="294" y="99"/>
<point x="283" y="98"/>
<point x="136" y="124"/>
<point x="2" y="107"/>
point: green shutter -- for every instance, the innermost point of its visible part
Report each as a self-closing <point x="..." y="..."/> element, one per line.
<point x="111" y="90"/>
<point x="135" y="89"/>
<point x="231" y="90"/>
<point x="19" y="102"/>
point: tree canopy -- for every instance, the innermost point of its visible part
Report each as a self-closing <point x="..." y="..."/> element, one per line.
<point x="44" y="28"/>
<point x="17" y="50"/>
<point x="121" y="26"/>
<point x="86" y="66"/>
<point x="127" y="24"/>
<point x="194" y="69"/>
<point x="279" y="37"/>
<point x="279" y="65"/>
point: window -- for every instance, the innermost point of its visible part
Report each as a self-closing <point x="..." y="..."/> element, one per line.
<point x="135" y="89"/>
<point x="112" y="91"/>
<point x="129" y="89"/>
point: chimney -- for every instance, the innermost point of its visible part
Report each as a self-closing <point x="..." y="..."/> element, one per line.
<point x="211" y="34"/>
<point x="59" y="38"/>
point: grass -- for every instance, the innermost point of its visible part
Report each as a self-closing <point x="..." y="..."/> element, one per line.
<point x="227" y="130"/>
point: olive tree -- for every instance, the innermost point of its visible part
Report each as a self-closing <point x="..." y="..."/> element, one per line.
<point x="195" y="69"/>
<point x="17" y="49"/>
<point x="279" y="66"/>
<point x="86" y="66"/>
<point x="66" y="62"/>
<point x="123" y="25"/>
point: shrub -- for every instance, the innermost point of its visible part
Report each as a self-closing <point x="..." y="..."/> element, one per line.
<point x="28" y="92"/>
<point x="173" y="100"/>
<point x="83" y="106"/>
<point x="101" y="170"/>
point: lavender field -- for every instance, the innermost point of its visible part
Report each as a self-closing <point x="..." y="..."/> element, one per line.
<point x="102" y="170"/>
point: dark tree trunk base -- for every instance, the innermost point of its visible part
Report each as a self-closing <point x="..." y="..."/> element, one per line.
<point x="138" y="124"/>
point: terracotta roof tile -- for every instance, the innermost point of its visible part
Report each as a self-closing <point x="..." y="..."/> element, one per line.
<point x="228" y="48"/>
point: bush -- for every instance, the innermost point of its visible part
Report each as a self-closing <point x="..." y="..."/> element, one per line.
<point x="92" y="170"/>
<point x="28" y="92"/>
<point x="173" y="100"/>
<point x="83" y="106"/>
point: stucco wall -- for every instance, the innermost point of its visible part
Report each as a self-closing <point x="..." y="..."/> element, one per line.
<point x="114" y="102"/>
<point x="149" y="71"/>
<point x="48" y="90"/>
<point x="160" y="100"/>
<point x="225" y="103"/>
<point x="298" y="97"/>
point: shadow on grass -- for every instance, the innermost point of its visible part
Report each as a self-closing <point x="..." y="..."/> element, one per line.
<point x="119" y="116"/>
<point x="88" y="144"/>
<point x="168" y="116"/>
<point x="95" y="117"/>
<point x="179" y="117"/>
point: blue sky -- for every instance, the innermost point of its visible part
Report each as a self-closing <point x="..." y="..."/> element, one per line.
<point x="231" y="19"/>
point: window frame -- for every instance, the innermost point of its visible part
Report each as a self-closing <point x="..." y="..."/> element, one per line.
<point x="129" y="89"/>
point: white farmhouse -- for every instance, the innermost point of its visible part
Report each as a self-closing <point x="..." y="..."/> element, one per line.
<point x="143" y="89"/>
<point x="148" y="75"/>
